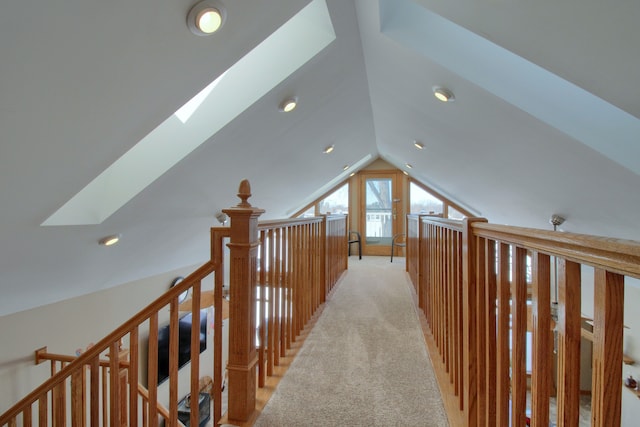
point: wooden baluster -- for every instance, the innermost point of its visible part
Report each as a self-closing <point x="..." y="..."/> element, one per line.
<point x="480" y="330"/>
<point x="542" y="352"/>
<point x="95" y="391"/>
<point x="271" y="286"/>
<point x="78" y="398"/>
<point x="114" y="382"/>
<point x="569" y="335"/>
<point x="277" y="304"/>
<point x="43" y="412"/>
<point x="606" y="400"/>
<point x="469" y="303"/>
<point x="289" y="287"/>
<point x="518" y="337"/>
<point x="490" y="329"/>
<point x="457" y="261"/>
<point x="174" y="348"/>
<point x="503" y="358"/>
<point x="262" y="329"/>
<point x="196" y="297"/>
<point x="242" y="307"/>
<point x="152" y="368"/>
<point x="133" y="376"/>
<point x="26" y="418"/>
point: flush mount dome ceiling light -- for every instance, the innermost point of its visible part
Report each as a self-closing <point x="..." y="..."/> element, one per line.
<point x="205" y="18"/>
<point x="444" y="95"/>
<point x="110" y="240"/>
<point x="288" y="104"/>
<point x="418" y="145"/>
<point x="328" y="149"/>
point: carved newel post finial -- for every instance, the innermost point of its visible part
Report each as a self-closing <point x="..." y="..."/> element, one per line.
<point x="244" y="192"/>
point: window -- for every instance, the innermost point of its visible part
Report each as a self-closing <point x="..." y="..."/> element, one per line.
<point x="336" y="202"/>
<point x="453" y="213"/>
<point x="423" y="202"/>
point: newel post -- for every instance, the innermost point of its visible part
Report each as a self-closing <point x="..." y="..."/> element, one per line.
<point x="243" y="262"/>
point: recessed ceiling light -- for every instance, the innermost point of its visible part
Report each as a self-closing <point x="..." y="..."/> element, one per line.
<point x="345" y="167"/>
<point x="405" y="172"/>
<point x="205" y="18"/>
<point x="444" y="95"/>
<point x="418" y="145"/>
<point x="408" y="166"/>
<point x="352" y="174"/>
<point x="288" y="104"/>
<point x="110" y="240"/>
<point x="328" y="149"/>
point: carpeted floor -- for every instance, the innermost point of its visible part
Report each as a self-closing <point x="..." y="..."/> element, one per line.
<point x="365" y="362"/>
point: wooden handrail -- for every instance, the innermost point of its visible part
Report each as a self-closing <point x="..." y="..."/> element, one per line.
<point x="616" y="255"/>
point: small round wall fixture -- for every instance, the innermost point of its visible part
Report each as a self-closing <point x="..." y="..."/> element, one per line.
<point x="206" y="17"/>
<point x="183" y="296"/>
<point x="110" y="240"/>
<point x="444" y="95"/>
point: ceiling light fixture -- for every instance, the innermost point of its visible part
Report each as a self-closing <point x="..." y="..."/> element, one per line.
<point x="328" y="149"/>
<point x="288" y="104"/>
<point x="405" y="172"/>
<point x="408" y="166"/>
<point x="444" y="95"/>
<point x="110" y="240"/>
<point x="345" y="167"/>
<point x="418" y="145"/>
<point x="205" y="18"/>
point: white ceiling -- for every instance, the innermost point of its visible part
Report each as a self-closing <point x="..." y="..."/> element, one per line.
<point x="83" y="81"/>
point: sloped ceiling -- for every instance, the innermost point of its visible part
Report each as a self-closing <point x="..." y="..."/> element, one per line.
<point x="545" y="121"/>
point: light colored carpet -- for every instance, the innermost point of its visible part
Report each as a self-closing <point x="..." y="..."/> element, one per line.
<point x="365" y="362"/>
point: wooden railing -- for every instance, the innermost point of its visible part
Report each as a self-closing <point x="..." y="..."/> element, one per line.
<point x="124" y="404"/>
<point x="480" y="300"/>
<point x="300" y="262"/>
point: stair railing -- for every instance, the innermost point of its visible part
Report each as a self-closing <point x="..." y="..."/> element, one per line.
<point x="108" y="400"/>
<point x="302" y="260"/>
<point x="477" y="283"/>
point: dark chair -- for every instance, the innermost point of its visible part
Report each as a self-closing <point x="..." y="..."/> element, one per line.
<point x="397" y="240"/>
<point x="355" y="239"/>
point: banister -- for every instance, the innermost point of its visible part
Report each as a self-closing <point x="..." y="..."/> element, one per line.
<point x="617" y="255"/>
<point x="94" y="352"/>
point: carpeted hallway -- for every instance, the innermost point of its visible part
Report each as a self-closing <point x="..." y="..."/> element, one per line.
<point x="365" y="362"/>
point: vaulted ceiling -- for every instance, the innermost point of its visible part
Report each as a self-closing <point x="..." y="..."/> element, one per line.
<point x="545" y="120"/>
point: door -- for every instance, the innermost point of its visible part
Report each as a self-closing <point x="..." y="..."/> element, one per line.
<point x="380" y="211"/>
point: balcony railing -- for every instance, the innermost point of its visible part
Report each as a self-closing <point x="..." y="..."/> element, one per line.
<point x="470" y="279"/>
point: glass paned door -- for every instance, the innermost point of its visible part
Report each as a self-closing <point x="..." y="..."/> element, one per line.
<point x="379" y="211"/>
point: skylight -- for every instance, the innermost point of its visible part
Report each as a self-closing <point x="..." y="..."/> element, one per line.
<point x="277" y="57"/>
<point x="185" y="112"/>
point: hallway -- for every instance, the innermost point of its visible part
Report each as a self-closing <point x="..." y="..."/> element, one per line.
<point x="365" y="362"/>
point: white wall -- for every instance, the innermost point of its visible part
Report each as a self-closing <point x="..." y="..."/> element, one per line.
<point x="74" y="324"/>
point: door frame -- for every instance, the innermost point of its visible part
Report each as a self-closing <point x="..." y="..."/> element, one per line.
<point x="397" y="193"/>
